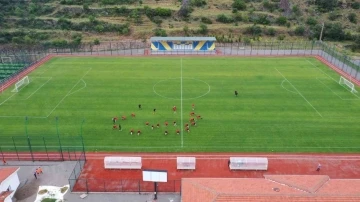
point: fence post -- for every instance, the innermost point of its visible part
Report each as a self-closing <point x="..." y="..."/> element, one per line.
<point x="47" y="154"/>
<point x="139" y="186"/>
<point x="17" y="154"/>
<point x="30" y="149"/>
<point x="2" y="154"/>
<point x="83" y="146"/>
<point x="110" y="49"/>
<point x="57" y="132"/>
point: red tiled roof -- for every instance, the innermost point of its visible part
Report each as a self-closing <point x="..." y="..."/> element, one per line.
<point x="4" y="194"/>
<point x="274" y="188"/>
<point x="6" y="172"/>
<point x="341" y="187"/>
<point x="308" y="183"/>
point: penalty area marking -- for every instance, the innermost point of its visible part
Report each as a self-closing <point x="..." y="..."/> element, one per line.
<point x="334" y="91"/>
<point x="299" y="93"/>
<point x="332" y="79"/>
<point x="181" y="78"/>
<point x="282" y="85"/>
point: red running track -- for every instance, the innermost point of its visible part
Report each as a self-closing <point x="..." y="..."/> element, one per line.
<point x="211" y="165"/>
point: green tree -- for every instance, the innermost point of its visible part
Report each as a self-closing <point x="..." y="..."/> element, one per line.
<point x="355" y="5"/>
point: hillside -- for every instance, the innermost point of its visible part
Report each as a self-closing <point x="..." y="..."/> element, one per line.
<point x="60" y="22"/>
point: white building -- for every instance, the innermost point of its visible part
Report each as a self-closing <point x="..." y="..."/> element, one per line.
<point x="9" y="182"/>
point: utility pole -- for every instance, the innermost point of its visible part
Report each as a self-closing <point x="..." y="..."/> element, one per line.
<point x="322" y="30"/>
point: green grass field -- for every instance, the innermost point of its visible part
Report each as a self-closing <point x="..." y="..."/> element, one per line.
<point x="284" y="104"/>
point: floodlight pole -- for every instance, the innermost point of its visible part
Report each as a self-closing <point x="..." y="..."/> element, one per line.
<point x="322" y="30"/>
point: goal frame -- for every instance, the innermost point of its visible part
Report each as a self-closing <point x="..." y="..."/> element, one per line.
<point x="3" y="60"/>
<point x="347" y="83"/>
<point x="22" y="82"/>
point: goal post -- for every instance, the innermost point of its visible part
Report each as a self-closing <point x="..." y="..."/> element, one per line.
<point x="6" y="60"/>
<point x="21" y="83"/>
<point x="343" y="81"/>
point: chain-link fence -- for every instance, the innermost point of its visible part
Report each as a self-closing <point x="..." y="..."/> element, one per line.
<point x="122" y="185"/>
<point x="41" y="148"/>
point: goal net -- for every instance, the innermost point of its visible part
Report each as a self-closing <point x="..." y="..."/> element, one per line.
<point x="6" y="60"/>
<point x="23" y="82"/>
<point x="344" y="82"/>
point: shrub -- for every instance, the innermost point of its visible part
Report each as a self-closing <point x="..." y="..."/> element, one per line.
<point x="96" y="42"/>
<point x="160" y="32"/>
<point x="203" y="29"/>
<point x="281" y="37"/>
<point x="282" y="20"/>
<point x="239" y="4"/>
<point x="271" y="31"/>
<point x="224" y="19"/>
<point x="311" y="21"/>
<point x="355" y="5"/>
<point x="268" y="5"/>
<point x="198" y="3"/>
<point x="254" y="30"/>
<point x="206" y="20"/>
<point x="300" y="30"/>
<point x="352" y="18"/>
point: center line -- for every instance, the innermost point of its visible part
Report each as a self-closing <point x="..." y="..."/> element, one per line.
<point x="181" y="104"/>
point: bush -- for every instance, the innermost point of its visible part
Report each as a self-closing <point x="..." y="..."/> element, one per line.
<point x="271" y="31"/>
<point x="198" y="3"/>
<point x="254" y="30"/>
<point x="206" y="20"/>
<point x="282" y="20"/>
<point x="281" y="37"/>
<point x="333" y="16"/>
<point x="224" y="19"/>
<point x="300" y="30"/>
<point x="160" y="32"/>
<point x="311" y="21"/>
<point x="355" y="5"/>
<point x="239" y="5"/>
<point x="203" y="29"/>
<point x="270" y="6"/>
<point x="96" y="42"/>
<point x="352" y="18"/>
<point x="326" y="5"/>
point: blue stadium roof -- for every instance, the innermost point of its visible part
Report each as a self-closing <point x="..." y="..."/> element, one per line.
<point x="182" y="39"/>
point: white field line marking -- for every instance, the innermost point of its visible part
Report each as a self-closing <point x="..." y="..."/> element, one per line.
<point x="7" y="99"/>
<point x="329" y="77"/>
<point x="181" y="104"/>
<point x="299" y="93"/>
<point x="334" y="91"/>
<point x="126" y="147"/>
<point x="200" y="96"/>
<point x="33" y="117"/>
<point x="68" y="93"/>
<point x="286" y="88"/>
<point x="38" y="89"/>
<point x="80" y="88"/>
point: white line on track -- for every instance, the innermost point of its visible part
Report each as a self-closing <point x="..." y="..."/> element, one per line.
<point x="299" y="93"/>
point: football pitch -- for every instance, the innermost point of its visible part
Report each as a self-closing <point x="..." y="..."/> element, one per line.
<point x="283" y="104"/>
